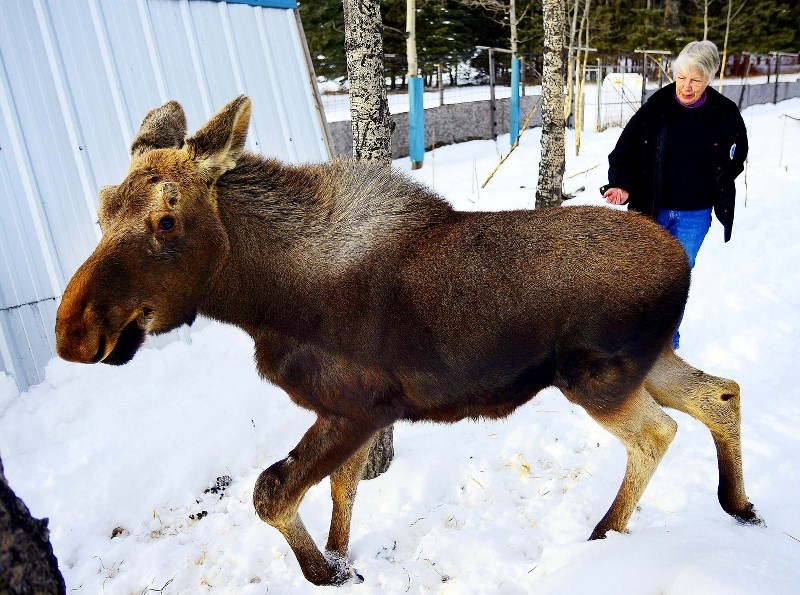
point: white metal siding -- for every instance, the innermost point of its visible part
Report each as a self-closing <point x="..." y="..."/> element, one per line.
<point x="76" y="78"/>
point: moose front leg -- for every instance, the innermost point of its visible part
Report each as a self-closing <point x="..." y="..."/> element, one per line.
<point x="280" y="489"/>
<point x="646" y="432"/>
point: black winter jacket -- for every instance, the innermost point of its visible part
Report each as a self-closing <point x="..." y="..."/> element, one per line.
<point x="638" y="162"/>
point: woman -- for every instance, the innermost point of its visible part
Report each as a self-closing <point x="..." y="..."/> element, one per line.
<point x="679" y="155"/>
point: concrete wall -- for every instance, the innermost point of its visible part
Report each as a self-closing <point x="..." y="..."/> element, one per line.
<point x="460" y="122"/>
<point x="444" y="125"/>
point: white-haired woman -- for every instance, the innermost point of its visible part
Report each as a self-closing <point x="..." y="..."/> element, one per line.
<point x="679" y="155"/>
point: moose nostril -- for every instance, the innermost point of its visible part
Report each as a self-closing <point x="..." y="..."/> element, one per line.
<point x="101" y="350"/>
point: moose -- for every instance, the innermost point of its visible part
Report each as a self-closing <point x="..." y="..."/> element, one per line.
<point x="371" y="300"/>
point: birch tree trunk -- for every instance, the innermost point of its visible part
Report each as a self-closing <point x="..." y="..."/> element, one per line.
<point x="551" y="165"/>
<point x="369" y="111"/>
<point x="27" y="563"/>
<point x="372" y="134"/>
<point x="411" y="38"/>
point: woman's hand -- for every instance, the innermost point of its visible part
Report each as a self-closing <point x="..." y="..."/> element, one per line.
<point x="616" y="196"/>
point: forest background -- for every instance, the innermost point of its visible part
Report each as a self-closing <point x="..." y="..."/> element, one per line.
<point x="448" y="31"/>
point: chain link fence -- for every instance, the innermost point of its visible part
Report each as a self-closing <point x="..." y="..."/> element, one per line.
<point x="467" y="97"/>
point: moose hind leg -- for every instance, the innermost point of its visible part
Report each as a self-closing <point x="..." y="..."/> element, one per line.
<point x="344" y="483"/>
<point x="715" y="402"/>
<point x="645" y="431"/>
<point x="280" y="489"/>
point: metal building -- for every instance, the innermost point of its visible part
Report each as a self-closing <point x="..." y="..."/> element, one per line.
<point x="76" y="78"/>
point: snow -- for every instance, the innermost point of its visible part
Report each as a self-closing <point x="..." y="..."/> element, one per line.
<point x="475" y="507"/>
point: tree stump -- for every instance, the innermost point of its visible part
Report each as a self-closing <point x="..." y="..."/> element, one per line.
<point x="381" y="453"/>
<point x="27" y="562"/>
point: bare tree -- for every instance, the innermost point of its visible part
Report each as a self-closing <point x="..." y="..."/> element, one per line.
<point x="27" y="563"/>
<point x="372" y="133"/>
<point x="728" y="20"/>
<point x="551" y="165"/>
<point x="573" y="27"/>
<point x="502" y="7"/>
<point x="580" y="74"/>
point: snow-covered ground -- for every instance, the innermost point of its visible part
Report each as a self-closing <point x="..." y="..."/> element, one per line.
<point x="120" y="459"/>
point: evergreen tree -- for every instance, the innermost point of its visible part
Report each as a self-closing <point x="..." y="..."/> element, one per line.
<point x="323" y="24"/>
<point x="448" y="31"/>
<point x="761" y="26"/>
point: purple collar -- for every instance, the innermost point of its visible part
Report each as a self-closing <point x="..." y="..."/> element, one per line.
<point x="696" y="104"/>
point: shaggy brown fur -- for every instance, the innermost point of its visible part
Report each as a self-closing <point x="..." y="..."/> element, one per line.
<point x="370" y="300"/>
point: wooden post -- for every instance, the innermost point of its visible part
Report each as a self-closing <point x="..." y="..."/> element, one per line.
<point x="441" y="85"/>
<point x="493" y="107"/>
<point x="645" y="54"/>
<point x="744" y="82"/>
<point x="599" y="93"/>
<point x="492" y="98"/>
<point x="644" y="75"/>
<point x="513" y="125"/>
<point x="416" y="107"/>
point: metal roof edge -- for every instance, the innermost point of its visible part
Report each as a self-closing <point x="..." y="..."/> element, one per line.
<point x="264" y="3"/>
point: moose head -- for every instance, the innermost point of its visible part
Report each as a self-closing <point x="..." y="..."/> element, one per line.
<point x="161" y="237"/>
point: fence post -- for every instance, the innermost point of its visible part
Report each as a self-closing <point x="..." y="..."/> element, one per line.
<point x="644" y="75"/>
<point x="441" y="85"/>
<point x="513" y="125"/>
<point x="744" y="81"/>
<point x="493" y="106"/>
<point x="599" y="92"/>
<point x="416" y="122"/>
<point x="777" y="74"/>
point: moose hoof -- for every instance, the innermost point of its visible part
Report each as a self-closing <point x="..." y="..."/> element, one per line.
<point x="750" y="517"/>
<point x="602" y="530"/>
<point x="344" y="573"/>
<point x="356" y="579"/>
<point x="598" y="534"/>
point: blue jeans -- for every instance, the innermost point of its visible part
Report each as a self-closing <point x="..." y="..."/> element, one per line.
<point x="690" y="229"/>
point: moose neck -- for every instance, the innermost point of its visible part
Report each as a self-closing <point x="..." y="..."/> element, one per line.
<point x="303" y="237"/>
<point x="262" y="214"/>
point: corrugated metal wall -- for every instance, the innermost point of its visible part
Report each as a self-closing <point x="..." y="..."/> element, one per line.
<point x="76" y="78"/>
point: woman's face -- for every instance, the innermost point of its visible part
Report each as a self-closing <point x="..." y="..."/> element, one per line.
<point x="689" y="85"/>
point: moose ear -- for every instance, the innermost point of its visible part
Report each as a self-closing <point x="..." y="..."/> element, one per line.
<point x="219" y="143"/>
<point x="162" y="128"/>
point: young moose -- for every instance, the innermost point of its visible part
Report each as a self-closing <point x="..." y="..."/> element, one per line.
<point x="370" y="300"/>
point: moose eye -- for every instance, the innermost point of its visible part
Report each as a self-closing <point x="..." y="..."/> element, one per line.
<point x="166" y="224"/>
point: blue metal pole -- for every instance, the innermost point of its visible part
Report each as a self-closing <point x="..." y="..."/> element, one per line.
<point x="513" y="126"/>
<point x="416" y="122"/>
